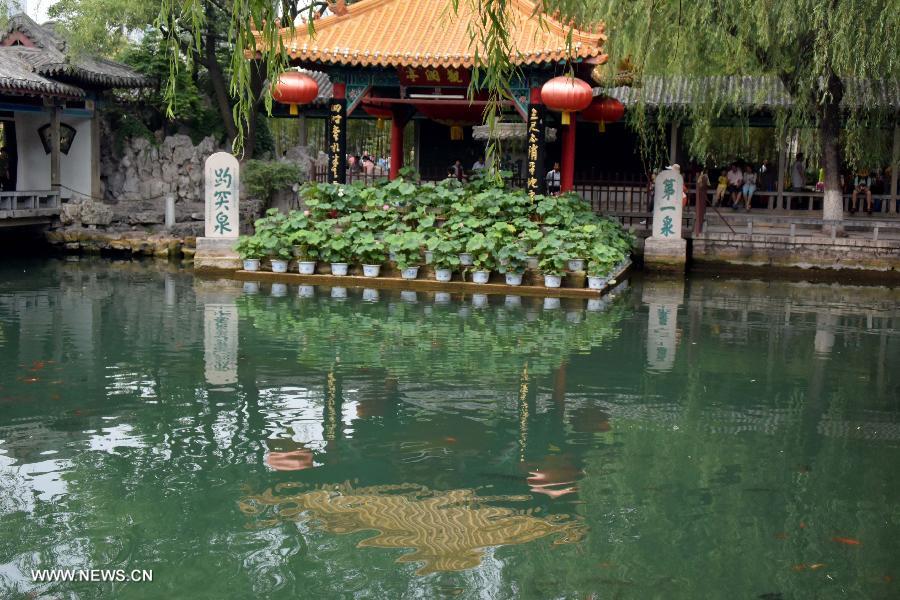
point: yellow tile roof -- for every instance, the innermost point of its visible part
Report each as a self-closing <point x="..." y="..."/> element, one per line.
<point x="426" y="33"/>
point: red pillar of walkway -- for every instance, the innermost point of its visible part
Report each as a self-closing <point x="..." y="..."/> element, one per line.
<point x="567" y="162"/>
<point x="398" y="124"/>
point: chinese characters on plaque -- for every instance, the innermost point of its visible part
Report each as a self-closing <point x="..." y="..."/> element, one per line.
<point x="337" y="141"/>
<point x="662" y="297"/>
<point x="222" y="183"/>
<point x="535" y="150"/>
<point x="220" y="343"/>
<point x="667" y="204"/>
<point x="433" y="76"/>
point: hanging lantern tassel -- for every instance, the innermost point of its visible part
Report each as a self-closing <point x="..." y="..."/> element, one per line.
<point x="294" y="111"/>
<point x="456" y="133"/>
<point x="379" y="124"/>
<point x="602" y="126"/>
<point x="566" y="118"/>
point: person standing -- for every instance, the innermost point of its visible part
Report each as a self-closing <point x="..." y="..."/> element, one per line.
<point x="701" y="191"/>
<point x="553" y="180"/>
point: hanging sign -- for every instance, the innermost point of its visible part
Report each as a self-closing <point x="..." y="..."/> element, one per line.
<point x="535" y="149"/>
<point x="434" y="76"/>
<point x="222" y="184"/>
<point x="337" y="141"/>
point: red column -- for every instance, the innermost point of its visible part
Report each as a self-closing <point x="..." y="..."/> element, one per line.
<point x="398" y="124"/>
<point x="567" y="162"/>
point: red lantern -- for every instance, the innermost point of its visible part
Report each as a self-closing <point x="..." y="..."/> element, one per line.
<point x="295" y="88"/>
<point x="567" y="95"/>
<point x="604" y="110"/>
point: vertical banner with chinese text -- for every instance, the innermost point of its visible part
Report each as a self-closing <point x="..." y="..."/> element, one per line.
<point x="337" y="140"/>
<point x="222" y="183"/>
<point x="534" y="165"/>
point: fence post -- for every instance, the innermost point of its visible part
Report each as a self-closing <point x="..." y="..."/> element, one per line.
<point x="793" y="230"/>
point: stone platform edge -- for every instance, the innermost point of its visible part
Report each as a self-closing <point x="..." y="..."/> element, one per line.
<point x="428" y="285"/>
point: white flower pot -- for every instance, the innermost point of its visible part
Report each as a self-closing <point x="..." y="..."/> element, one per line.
<point x="339" y="269"/>
<point x="465" y="259"/>
<point x="279" y="266"/>
<point x="441" y="297"/>
<point x="251" y="287"/>
<point x="574" y="316"/>
<point x="409" y="273"/>
<point x="596" y="283"/>
<point x="428" y="256"/>
<point x="306" y="267"/>
<point x="513" y="301"/>
<point x="552" y="281"/>
<point x="443" y="275"/>
<point x="576" y="264"/>
<point x="306" y="291"/>
<point x="551" y="303"/>
<point x="481" y="276"/>
<point x="251" y="264"/>
<point x="279" y="290"/>
<point x="370" y="295"/>
<point x="595" y="304"/>
<point x="513" y="278"/>
<point x="371" y="270"/>
<point x="479" y="300"/>
<point x="339" y="293"/>
<point x="409" y="296"/>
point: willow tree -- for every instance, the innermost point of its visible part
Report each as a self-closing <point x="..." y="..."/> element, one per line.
<point x="817" y="49"/>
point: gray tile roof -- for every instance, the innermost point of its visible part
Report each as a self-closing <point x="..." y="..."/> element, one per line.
<point x="17" y="76"/>
<point x="49" y="59"/>
<point x="757" y="92"/>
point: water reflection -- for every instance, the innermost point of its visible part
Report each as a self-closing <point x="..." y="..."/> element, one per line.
<point x="663" y="297"/>
<point x="446" y="530"/>
<point x="132" y="409"/>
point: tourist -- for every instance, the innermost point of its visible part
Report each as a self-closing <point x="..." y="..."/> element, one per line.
<point x="553" y="180"/>
<point x="478" y="165"/>
<point x="735" y="181"/>
<point x="458" y="172"/>
<point x="862" y="184"/>
<point x="721" y="188"/>
<point x="749" y="186"/>
<point x="702" y="187"/>
<point x="766" y="178"/>
<point x="368" y="165"/>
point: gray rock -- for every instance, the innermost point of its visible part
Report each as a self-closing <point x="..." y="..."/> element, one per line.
<point x="95" y="213"/>
<point x="146" y="218"/>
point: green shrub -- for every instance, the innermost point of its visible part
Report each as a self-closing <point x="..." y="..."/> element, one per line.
<point x="266" y="178"/>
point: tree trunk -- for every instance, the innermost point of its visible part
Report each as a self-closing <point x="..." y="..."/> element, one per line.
<point x="829" y="133"/>
<point x="220" y="88"/>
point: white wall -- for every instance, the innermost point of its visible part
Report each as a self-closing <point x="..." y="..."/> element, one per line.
<point x="34" y="163"/>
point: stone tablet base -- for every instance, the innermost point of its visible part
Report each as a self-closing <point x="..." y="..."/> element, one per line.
<point x="665" y="255"/>
<point x="216" y="254"/>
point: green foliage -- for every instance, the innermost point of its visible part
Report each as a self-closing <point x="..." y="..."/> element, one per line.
<point x="264" y="178"/>
<point x="273" y="234"/>
<point x="495" y="225"/>
<point x="250" y="246"/>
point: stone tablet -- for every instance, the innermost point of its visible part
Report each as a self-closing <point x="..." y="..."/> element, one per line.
<point x="667" y="205"/>
<point x="220" y="343"/>
<point x="222" y="185"/>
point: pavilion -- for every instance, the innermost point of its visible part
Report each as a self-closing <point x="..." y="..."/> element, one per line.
<point x="400" y="60"/>
<point x="49" y="98"/>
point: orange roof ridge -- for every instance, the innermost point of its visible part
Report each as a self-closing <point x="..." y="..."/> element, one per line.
<point x="423" y="33"/>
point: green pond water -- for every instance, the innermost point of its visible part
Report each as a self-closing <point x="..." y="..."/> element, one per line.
<point x="705" y="438"/>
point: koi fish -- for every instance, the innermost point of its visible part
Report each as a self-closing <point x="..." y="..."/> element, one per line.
<point x="450" y="439"/>
<point x="781" y="535"/>
<point x="816" y="566"/>
<point x="847" y="541"/>
<point x="38" y="365"/>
